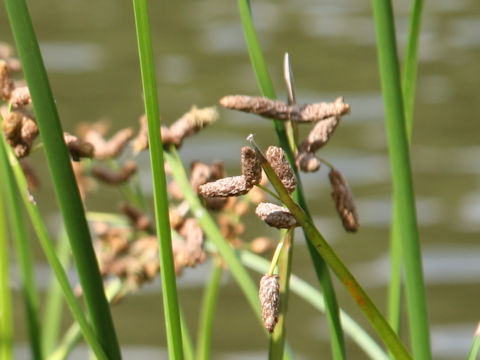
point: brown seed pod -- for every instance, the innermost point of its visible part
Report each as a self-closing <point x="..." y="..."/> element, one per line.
<point x="279" y="110"/>
<point x="343" y="197"/>
<point x="269" y="295"/>
<point x="114" y="178"/>
<point x="251" y="166"/>
<point x="276" y="216"/>
<point x="20" y="97"/>
<point x="320" y="134"/>
<point x="140" y="220"/>
<point x="202" y="173"/>
<point x="307" y="161"/>
<point x="229" y="186"/>
<point x="276" y="158"/>
<point x="77" y="147"/>
<point x="12" y="127"/>
<point x="6" y="82"/>
<point x="192" y="122"/>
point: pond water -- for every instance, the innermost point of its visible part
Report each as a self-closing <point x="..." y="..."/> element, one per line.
<point x="91" y="55"/>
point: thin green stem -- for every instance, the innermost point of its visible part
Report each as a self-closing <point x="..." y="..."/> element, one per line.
<point x="312" y="296"/>
<point x="74" y="334"/>
<point x="369" y="309"/>
<point x="474" y="349"/>
<point x="6" y="323"/>
<point x="207" y="313"/>
<point x="52" y="319"/>
<point x="321" y="270"/>
<point x="169" y="290"/>
<point x="188" y="347"/>
<point x="277" y="339"/>
<point x="402" y="179"/>
<point x="25" y="259"/>
<point x="6" y="154"/>
<point x="61" y="172"/>
<point x="276" y="254"/>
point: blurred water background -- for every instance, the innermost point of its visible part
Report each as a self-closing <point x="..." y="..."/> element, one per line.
<point x="91" y="55"/>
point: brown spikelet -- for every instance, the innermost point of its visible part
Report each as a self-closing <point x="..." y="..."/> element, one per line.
<point x="191" y="123"/>
<point x="201" y="173"/>
<point x="114" y="178"/>
<point x="29" y="129"/>
<point x="278" y="161"/>
<point x="77" y="147"/>
<point x="6" y="82"/>
<point x="251" y="166"/>
<point x="20" y="97"/>
<point x="107" y="149"/>
<point x="269" y="295"/>
<point x="320" y="134"/>
<point x="343" y="197"/>
<point x="140" y="220"/>
<point x="229" y="186"/>
<point x="307" y="161"/>
<point x="276" y="216"/>
<point x="279" y="110"/>
<point x="261" y="245"/>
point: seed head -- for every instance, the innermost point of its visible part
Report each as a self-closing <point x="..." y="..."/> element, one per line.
<point x="276" y="216"/>
<point x="343" y="197"/>
<point x="276" y="158"/>
<point x="229" y="186"/>
<point x="251" y="166"/>
<point x="20" y="97"/>
<point x="77" y="147"/>
<point x="307" y="161"/>
<point x="269" y="295"/>
<point x="320" y="134"/>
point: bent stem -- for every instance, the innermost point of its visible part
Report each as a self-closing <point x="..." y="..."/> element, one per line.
<point x="164" y="236"/>
<point x="369" y="309"/>
<point x="321" y="270"/>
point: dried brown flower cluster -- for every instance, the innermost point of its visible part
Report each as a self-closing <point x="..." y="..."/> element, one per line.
<point x="113" y="177"/>
<point x="269" y="295"/>
<point x="190" y="123"/>
<point x="20" y="130"/>
<point x="343" y="197"/>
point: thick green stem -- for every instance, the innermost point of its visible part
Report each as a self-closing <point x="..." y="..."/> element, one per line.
<point x="61" y="172"/>
<point x="402" y="179"/>
<point x="169" y="289"/>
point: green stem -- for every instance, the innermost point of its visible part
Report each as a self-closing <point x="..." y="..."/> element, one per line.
<point x="6" y="155"/>
<point x="408" y="87"/>
<point x="474" y="349"/>
<point x="321" y="270"/>
<point x="52" y="319"/>
<point x="369" y="309"/>
<point x="188" y="348"/>
<point x="402" y="179"/>
<point x="312" y="296"/>
<point x="6" y="323"/>
<point x="169" y="290"/>
<point x="207" y="313"/>
<point x="25" y="259"/>
<point x="63" y="178"/>
<point x="277" y="340"/>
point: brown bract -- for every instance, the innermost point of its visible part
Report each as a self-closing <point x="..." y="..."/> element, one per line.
<point x="343" y="197"/>
<point x="276" y="109"/>
<point x="276" y="157"/>
<point x="269" y="296"/>
<point x="77" y="147"/>
<point x="20" y="131"/>
<point x="20" y="96"/>
<point x="307" y="161"/>
<point x="276" y="216"/>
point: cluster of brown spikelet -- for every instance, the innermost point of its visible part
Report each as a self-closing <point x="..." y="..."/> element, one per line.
<point x="129" y="249"/>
